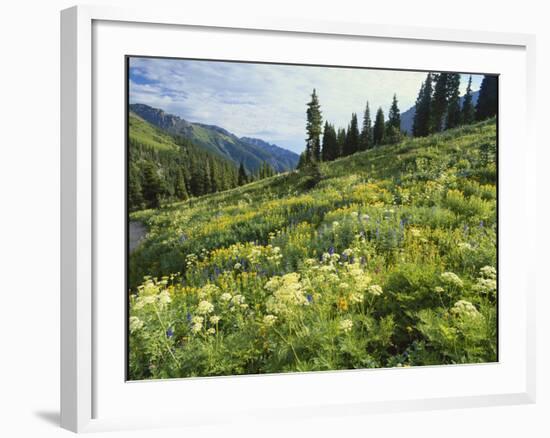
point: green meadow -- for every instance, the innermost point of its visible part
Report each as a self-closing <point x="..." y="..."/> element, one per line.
<point x="385" y="258"/>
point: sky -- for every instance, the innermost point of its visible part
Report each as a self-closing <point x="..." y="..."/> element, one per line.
<point x="268" y="101"/>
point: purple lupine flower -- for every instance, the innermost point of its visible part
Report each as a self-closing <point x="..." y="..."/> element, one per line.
<point x="481" y="224"/>
<point x="169" y="332"/>
<point x="188" y="317"/>
<point x="331" y="250"/>
<point x="309" y="298"/>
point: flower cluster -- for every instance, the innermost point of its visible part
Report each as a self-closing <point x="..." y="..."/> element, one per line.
<point x="451" y="279"/>
<point x="463" y="308"/>
<point x="345" y="325"/>
<point x="287" y="292"/>
<point x="375" y="290"/>
<point x="486" y="283"/>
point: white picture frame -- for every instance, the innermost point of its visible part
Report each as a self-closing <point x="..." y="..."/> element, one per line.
<point x="86" y="378"/>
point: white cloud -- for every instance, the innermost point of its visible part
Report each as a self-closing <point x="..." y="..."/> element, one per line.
<point x="264" y="100"/>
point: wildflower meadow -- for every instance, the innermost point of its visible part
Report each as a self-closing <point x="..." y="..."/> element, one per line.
<point x="384" y="258"/>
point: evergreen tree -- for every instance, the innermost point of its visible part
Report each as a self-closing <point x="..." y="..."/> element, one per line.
<point x="423" y="109"/>
<point x="487" y="102"/>
<point x="265" y="170"/>
<point x="153" y="188"/>
<point x="468" y="109"/>
<point x="330" y="143"/>
<point x="197" y="180"/>
<point x="313" y="128"/>
<point x="207" y="178"/>
<point x="341" y="141"/>
<point x="454" y="116"/>
<point x="351" y="144"/>
<point x="243" y="177"/>
<point x="180" y="190"/>
<point x="439" y="102"/>
<point x="135" y="198"/>
<point x="379" y="128"/>
<point x="394" y="116"/>
<point x="366" y="131"/>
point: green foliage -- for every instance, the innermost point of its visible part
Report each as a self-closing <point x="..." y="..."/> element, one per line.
<point x="163" y="168"/>
<point x="453" y="115"/>
<point x="384" y="258"/>
<point x="423" y="109"/>
<point x="487" y="103"/>
<point x="394" y="116"/>
<point x="468" y="110"/>
<point x="330" y="143"/>
<point x="313" y="129"/>
<point x="243" y="176"/>
<point x="366" y="140"/>
<point x="379" y="129"/>
<point x="351" y="144"/>
<point x="439" y="101"/>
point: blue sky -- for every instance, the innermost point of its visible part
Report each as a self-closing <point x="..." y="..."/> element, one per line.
<point x="268" y="101"/>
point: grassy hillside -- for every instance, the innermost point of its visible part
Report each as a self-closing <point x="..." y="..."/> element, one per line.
<point x="146" y="134"/>
<point x="385" y="258"/>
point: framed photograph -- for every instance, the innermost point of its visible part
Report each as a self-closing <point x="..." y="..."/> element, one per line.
<point x="284" y="219"/>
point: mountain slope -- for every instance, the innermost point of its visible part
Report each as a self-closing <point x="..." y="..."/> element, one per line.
<point x="280" y="155"/>
<point x="385" y="258"/>
<point x="397" y="172"/>
<point x="219" y="141"/>
<point x="168" y="168"/>
<point x="407" y="117"/>
<point x="142" y="132"/>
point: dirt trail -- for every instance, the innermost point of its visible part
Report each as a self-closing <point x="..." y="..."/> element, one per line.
<point x="137" y="232"/>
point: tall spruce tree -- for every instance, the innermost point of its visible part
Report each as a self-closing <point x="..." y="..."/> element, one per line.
<point x="423" y="109"/>
<point x="180" y="189"/>
<point x="468" y="109"/>
<point x="341" y="141"/>
<point x="313" y="128"/>
<point x="439" y="102"/>
<point x="453" y="118"/>
<point x="379" y="128"/>
<point x="394" y="116"/>
<point x="366" y="131"/>
<point x="242" y="176"/>
<point x="352" y="137"/>
<point x="330" y="143"/>
<point x="487" y="101"/>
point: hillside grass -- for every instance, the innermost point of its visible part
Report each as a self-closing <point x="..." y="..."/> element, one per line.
<point x="389" y="259"/>
<point x="147" y="135"/>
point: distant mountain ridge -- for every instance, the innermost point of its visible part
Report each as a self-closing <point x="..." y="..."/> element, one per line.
<point x="407" y="117"/>
<point x="215" y="139"/>
<point x="288" y="158"/>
